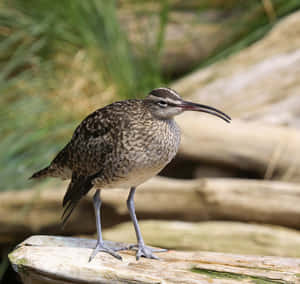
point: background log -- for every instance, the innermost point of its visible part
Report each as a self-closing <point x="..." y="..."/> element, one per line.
<point x="214" y="199"/>
<point x="218" y="236"/>
<point x="160" y="198"/>
<point x="260" y="83"/>
<point x="47" y="259"/>
<point x="259" y="88"/>
<point x="265" y="150"/>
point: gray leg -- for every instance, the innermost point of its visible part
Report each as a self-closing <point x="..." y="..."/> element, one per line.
<point x="100" y="244"/>
<point x="142" y="249"/>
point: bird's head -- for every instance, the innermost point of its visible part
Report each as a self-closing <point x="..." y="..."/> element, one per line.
<point x="164" y="103"/>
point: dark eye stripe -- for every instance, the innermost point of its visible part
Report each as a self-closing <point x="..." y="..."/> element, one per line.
<point x="172" y="104"/>
<point x="162" y="103"/>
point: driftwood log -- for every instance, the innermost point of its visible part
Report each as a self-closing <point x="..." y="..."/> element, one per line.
<point x="268" y="151"/>
<point x="217" y="236"/>
<point x="260" y="83"/>
<point x="260" y="90"/>
<point x="47" y="259"/>
<point x="32" y="212"/>
<point x="215" y="199"/>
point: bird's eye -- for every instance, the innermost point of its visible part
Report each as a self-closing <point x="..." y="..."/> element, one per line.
<point x="162" y="103"/>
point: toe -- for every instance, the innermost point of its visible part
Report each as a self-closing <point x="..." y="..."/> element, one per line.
<point x="153" y="256"/>
<point x="117" y="256"/>
<point x="101" y="248"/>
<point x="148" y="253"/>
<point x="138" y="254"/>
<point x="145" y="251"/>
<point x="93" y="254"/>
<point x="159" y="250"/>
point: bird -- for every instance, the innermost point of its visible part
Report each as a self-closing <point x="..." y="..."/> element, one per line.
<point x="121" y="145"/>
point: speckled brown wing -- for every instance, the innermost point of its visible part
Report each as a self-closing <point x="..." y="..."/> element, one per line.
<point x="89" y="152"/>
<point x="91" y="144"/>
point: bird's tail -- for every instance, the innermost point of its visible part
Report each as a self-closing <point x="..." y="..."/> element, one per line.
<point x="78" y="187"/>
<point x="45" y="172"/>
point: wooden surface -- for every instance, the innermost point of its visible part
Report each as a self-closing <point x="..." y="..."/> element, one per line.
<point x="48" y="259"/>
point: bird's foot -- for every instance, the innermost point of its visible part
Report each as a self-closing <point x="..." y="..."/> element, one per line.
<point x="100" y="247"/>
<point x="144" y="251"/>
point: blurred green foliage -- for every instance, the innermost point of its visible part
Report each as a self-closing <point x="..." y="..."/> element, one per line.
<point x="38" y="43"/>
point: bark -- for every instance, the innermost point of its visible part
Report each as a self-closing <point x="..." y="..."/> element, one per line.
<point x="47" y="259"/>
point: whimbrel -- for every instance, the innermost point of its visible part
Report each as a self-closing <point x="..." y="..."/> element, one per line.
<point x="121" y="145"/>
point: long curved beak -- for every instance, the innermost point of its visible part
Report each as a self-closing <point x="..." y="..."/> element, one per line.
<point x="204" y="108"/>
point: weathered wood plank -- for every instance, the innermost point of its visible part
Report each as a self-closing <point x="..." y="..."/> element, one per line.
<point x="47" y="259"/>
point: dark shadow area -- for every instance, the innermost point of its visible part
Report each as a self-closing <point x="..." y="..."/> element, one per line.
<point x="182" y="168"/>
<point x="10" y="276"/>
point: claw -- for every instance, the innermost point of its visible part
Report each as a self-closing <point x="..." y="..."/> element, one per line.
<point x="100" y="247"/>
<point x="145" y="251"/>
